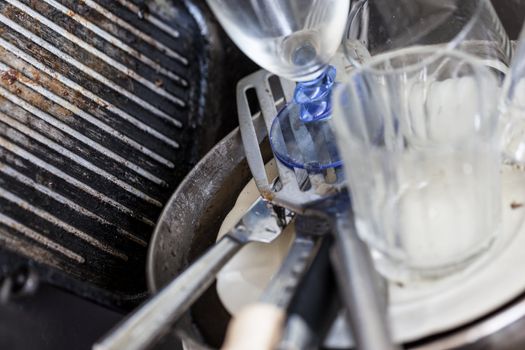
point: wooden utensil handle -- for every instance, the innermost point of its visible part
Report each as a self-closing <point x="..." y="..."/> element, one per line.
<point x="256" y="327"/>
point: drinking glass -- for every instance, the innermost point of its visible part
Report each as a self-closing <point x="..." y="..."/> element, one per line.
<point x="378" y="26"/>
<point x="294" y="39"/>
<point x="417" y="132"/>
<point x="513" y="107"/>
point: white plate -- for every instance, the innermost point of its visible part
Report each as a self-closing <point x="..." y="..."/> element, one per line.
<point x="418" y="310"/>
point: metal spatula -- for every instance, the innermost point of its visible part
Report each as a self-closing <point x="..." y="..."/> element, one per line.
<point x="290" y="195"/>
<point x="351" y="255"/>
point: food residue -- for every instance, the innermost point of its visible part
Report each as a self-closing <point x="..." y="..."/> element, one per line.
<point x="516" y="205"/>
<point x="10" y="76"/>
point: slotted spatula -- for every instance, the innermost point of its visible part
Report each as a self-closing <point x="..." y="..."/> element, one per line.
<point x="356" y="275"/>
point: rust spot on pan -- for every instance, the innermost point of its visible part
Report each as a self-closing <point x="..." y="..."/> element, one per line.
<point x="10" y="76"/>
<point x="36" y="74"/>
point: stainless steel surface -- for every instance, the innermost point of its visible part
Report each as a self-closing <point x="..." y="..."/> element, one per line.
<point x="152" y="320"/>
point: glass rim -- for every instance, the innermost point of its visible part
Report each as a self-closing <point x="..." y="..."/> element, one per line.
<point x="348" y="86"/>
<point x="433" y="54"/>
<point x="451" y="44"/>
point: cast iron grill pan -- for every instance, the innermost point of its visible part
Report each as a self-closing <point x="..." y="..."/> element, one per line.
<point x="101" y="115"/>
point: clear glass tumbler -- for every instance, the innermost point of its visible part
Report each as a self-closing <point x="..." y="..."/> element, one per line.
<point x="378" y="26"/>
<point x="417" y="133"/>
